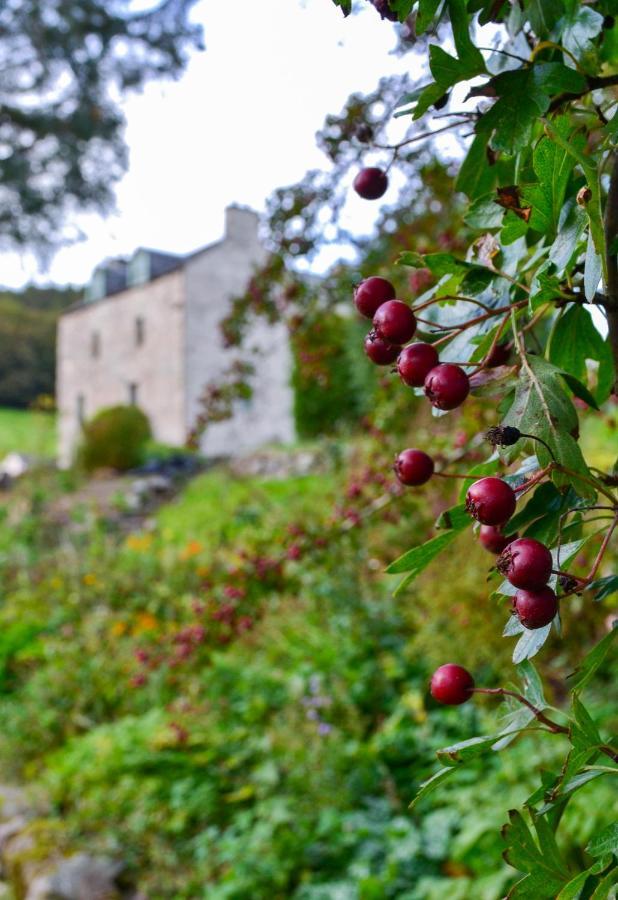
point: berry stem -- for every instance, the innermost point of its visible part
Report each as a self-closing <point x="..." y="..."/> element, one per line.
<point x="457" y="329"/>
<point x="533" y="437"/>
<point x="523" y="488"/>
<point x="502" y="692"/>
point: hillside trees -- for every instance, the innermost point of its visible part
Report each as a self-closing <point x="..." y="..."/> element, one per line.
<point x="63" y="69"/>
<point x="532" y="86"/>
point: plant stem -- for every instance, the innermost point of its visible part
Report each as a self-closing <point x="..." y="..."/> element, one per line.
<point x="502" y="692"/>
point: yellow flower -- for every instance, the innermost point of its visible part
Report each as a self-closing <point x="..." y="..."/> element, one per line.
<point x="193" y="548"/>
<point x="118" y="629"/>
<point x="90" y="579"/>
<point x="145" y="622"/>
<point x="139" y="542"/>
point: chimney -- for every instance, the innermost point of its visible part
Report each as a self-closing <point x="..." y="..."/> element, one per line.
<point x="241" y="225"/>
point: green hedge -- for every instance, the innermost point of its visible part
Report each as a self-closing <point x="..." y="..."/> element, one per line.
<point x="115" y="439"/>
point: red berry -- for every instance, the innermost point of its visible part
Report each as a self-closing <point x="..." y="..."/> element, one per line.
<point x="526" y="563"/>
<point x="395" y="322"/>
<point x="415" y="362"/>
<point x="499" y="356"/>
<point x="380" y="351"/>
<point x="536" y="608"/>
<point x="413" y="467"/>
<point x="492" y="539"/>
<point x="371" y="183"/>
<point x="451" y="685"/>
<point x="371" y="293"/>
<point x="491" y="501"/>
<point x="447" y="386"/>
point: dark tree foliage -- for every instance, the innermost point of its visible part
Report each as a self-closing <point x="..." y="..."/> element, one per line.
<point x="28" y="343"/>
<point x="63" y="67"/>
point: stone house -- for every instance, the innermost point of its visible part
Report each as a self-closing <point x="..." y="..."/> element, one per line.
<point x="147" y="333"/>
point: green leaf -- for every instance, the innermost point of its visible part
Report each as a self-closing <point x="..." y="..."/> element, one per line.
<point x="466" y="50"/>
<point x="571" y="227"/>
<point x="427" y="10"/>
<point x="417" y="559"/>
<point x="545" y="872"/>
<point x="541" y="407"/>
<point x="344" y="5"/>
<point x="552" y="166"/>
<point x="543" y="15"/>
<point x="484" y="213"/>
<point x="574" y="340"/>
<point x="594" y="206"/>
<point x="476" y="177"/>
<point x="573" y="890"/>
<point x="430" y="95"/>
<point x="524" y="94"/>
<point x="465" y="750"/>
<point x="530" y="643"/>
<point x="593" y="269"/>
<point x="603" y="889"/>
<point x="579" y="390"/>
<point x="589" y="665"/>
<point x="604" y="587"/>
<point x="432" y="783"/>
<point x="578" y="29"/>
<point x="532" y="684"/>
<point x="605" y="841"/>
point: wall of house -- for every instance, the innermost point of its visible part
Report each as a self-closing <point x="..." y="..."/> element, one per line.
<point x="213" y="277"/>
<point x="91" y="380"/>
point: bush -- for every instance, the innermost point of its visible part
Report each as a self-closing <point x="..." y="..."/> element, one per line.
<point x="324" y="379"/>
<point x="116" y="439"/>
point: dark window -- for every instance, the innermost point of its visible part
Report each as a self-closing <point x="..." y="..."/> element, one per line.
<point x="95" y="345"/>
<point x="140" y="331"/>
<point x="133" y="394"/>
<point x="81" y="408"/>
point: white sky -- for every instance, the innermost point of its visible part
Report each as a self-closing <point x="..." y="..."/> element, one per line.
<point x="238" y="124"/>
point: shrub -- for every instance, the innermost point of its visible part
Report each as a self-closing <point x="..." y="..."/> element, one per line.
<point x="115" y="438"/>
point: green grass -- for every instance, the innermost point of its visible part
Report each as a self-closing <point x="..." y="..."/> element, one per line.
<point x="26" y="431"/>
<point x="215" y="506"/>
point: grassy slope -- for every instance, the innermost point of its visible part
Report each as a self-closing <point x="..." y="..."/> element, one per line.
<point x="27" y="432"/>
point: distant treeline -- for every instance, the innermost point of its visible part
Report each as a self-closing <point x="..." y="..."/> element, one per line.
<point x="28" y="342"/>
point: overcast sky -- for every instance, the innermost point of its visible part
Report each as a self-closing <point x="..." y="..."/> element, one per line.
<point x="240" y="122"/>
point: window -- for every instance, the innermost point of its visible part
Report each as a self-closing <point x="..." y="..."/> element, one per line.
<point x="95" y="345"/>
<point x="81" y="409"/>
<point x="140" y="331"/>
<point x="133" y="394"/>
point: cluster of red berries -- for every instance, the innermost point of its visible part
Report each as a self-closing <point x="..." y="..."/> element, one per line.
<point x="394" y="324"/>
<point x="525" y="562"/>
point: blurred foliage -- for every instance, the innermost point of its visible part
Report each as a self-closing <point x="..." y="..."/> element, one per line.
<point x="115" y="438"/>
<point x="231" y="701"/>
<point x="28" y="321"/>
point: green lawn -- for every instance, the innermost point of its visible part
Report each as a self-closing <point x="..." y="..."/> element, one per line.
<point x="27" y="432"/>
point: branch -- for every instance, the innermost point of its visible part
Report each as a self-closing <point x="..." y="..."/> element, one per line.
<point x="592" y="84"/>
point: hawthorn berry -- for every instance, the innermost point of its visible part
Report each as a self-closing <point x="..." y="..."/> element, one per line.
<point x="537" y="608"/>
<point x="413" y="467"/>
<point x="526" y="563"/>
<point x="380" y="351"/>
<point x="371" y="293"/>
<point x="395" y="322"/>
<point x="492" y="539"/>
<point x="415" y="362"/>
<point x="451" y="685"/>
<point x="371" y="183"/>
<point x="447" y="386"/>
<point x="491" y="501"/>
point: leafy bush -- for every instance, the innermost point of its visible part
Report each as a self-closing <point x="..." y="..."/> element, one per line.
<point x="115" y="438"/>
<point x="324" y="376"/>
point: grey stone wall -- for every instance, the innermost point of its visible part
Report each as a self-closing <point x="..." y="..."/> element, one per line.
<point x="104" y="378"/>
<point x="213" y="277"/>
